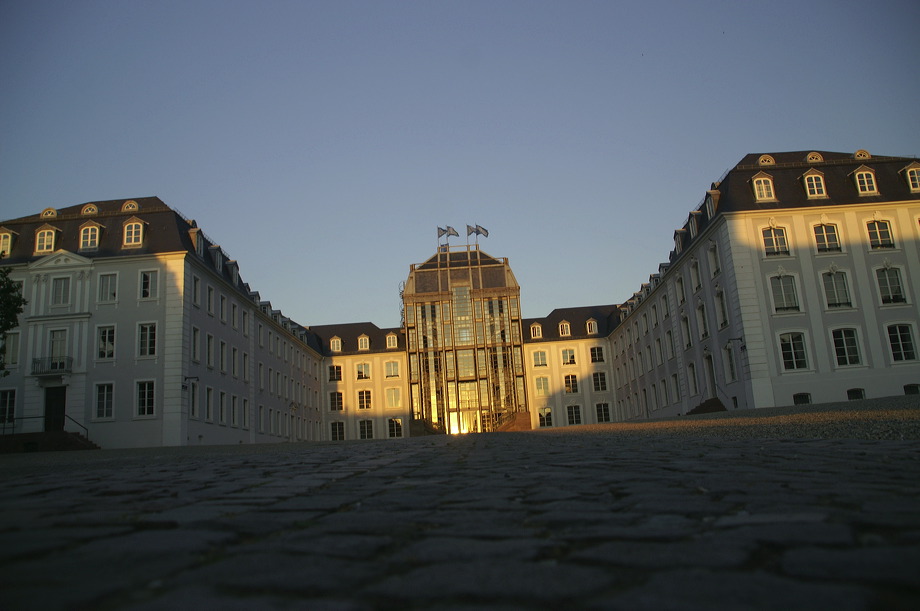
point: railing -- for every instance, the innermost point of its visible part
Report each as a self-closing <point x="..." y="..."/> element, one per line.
<point x="52" y="365"/>
<point x="9" y="425"/>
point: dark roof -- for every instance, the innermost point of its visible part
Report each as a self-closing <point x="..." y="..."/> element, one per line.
<point x="606" y="316"/>
<point x="459" y="258"/>
<point x="349" y="334"/>
<point x="735" y="193"/>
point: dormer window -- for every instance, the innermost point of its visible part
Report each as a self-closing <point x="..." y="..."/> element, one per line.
<point x="134" y="233"/>
<point x="763" y="187"/>
<point x="6" y="244"/>
<point x="912" y="174"/>
<point x="591" y="327"/>
<point x="335" y="344"/>
<point x="814" y="157"/>
<point x="89" y="237"/>
<point x="862" y="154"/>
<point x="766" y="160"/>
<point x="865" y="181"/>
<point x="49" y="213"/>
<point x="536" y="331"/>
<point x="89" y="209"/>
<point x="44" y="240"/>
<point x="565" y="329"/>
<point x="129" y="206"/>
<point x="364" y="343"/>
<point x="814" y="185"/>
<point x="392" y="341"/>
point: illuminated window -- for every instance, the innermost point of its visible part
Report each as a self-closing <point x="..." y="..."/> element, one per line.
<point x="774" y="241"/>
<point x="826" y="238"/>
<point x="880" y="234"/>
<point x="539" y="359"/>
<point x="89" y="237"/>
<point x="814" y="186"/>
<point x="133" y="234"/>
<point x="536" y="331"/>
<point x="865" y="182"/>
<point x="44" y="241"/>
<point x="763" y="188"/>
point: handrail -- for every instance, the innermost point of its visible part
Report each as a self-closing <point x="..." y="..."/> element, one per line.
<point x="10" y="423"/>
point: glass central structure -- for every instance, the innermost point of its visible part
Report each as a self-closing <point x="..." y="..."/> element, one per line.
<point x="462" y="318"/>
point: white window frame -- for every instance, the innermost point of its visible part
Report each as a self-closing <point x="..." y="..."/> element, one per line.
<point x="44" y="241"/>
<point x="787" y="300"/>
<point x="821" y="233"/>
<point x="539" y="358"/>
<point x="856" y="346"/>
<point x="145" y="347"/>
<point x="903" y="299"/>
<point x="99" y="339"/>
<point x="912" y="336"/>
<point x="878" y="227"/>
<point x="60" y="291"/>
<point x="109" y="406"/>
<point x="149" y="409"/>
<point x="148" y="280"/>
<point x="110" y="283"/>
<point x="865" y="181"/>
<point x="786" y="337"/>
<point x="779" y="242"/>
<point x="133" y="234"/>
<point x="89" y="237"/>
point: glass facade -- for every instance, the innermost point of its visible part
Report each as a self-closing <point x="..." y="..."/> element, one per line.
<point x="463" y="331"/>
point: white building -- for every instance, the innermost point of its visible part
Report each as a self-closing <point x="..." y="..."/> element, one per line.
<point x="139" y="332"/>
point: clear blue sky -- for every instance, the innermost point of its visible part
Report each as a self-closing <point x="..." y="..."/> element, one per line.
<point x="322" y="143"/>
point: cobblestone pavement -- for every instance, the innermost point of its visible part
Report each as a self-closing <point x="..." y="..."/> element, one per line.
<point x="612" y="517"/>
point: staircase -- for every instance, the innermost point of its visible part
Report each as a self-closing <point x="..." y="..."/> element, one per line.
<point x="50" y="441"/>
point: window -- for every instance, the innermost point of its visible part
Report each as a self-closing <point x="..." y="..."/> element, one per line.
<point x="60" y="291"/>
<point x="835" y="290"/>
<point x="394" y="398"/>
<point x="6" y="243"/>
<point x="902" y="343"/>
<point x="8" y="406"/>
<point x="104" y="400"/>
<point x="365" y="429"/>
<point x="565" y="329"/>
<point x="701" y="323"/>
<point x="574" y="414"/>
<point x="600" y="381"/>
<point x="889" y="285"/>
<point x="149" y="288"/>
<point x="542" y="385"/>
<point x="826" y="238"/>
<point x="855" y="394"/>
<point x="722" y="308"/>
<point x="681" y="294"/>
<point x="568" y="356"/>
<point x="865" y="182"/>
<point x="335" y="402"/>
<point x="603" y="412"/>
<point x="715" y="264"/>
<point x="802" y="398"/>
<point x="597" y="354"/>
<point x="784" y="296"/>
<point x="106" y="343"/>
<point x="685" y="331"/>
<point x="194" y="409"/>
<point x="392" y="369"/>
<point x="846" y="347"/>
<point x="222" y="356"/>
<point x="335" y="344"/>
<point x="394" y="426"/>
<point x="363" y="371"/>
<point x="571" y="383"/>
<point x="728" y="356"/>
<point x="209" y="403"/>
<point x="814" y="186"/>
<point x="695" y="275"/>
<point x="763" y="188"/>
<point x="364" y="343"/>
<point x="147" y="339"/>
<point x="912" y="389"/>
<point x="539" y="359"/>
<point x="108" y="288"/>
<point x="145" y="398"/>
<point x="880" y="234"/>
<point x="913" y="179"/>
<point x="792" y="348"/>
<point x="129" y="206"/>
<point x="545" y="416"/>
<point x="591" y="327"/>
<point x="44" y="241"/>
<point x="536" y="331"/>
<point x="669" y="345"/>
<point x="392" y="342"/>
<point x="335" y="373"/>
<point x="133" y="234"/>
<point x="364" y="399"/>
<point x="691" y="379"/>
<point x="11" y="349"/>
<point x="89" y="237"/>
<point x="337" y="431"/>
<point x="774" y="241"/>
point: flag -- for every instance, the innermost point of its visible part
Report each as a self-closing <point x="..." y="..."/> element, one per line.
<point x="470" y="230"/>
<point x="482" y="231"/>
<point x="451" y="231"/>
<point x="441" y="232"/>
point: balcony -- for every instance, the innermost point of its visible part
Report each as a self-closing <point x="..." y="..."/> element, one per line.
<point x="52" y="365"/>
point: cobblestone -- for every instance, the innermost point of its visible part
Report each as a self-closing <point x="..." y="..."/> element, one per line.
<point x="774" y="510"/>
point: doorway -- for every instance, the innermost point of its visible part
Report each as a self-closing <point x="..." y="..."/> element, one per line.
<point x="55" y="402"/>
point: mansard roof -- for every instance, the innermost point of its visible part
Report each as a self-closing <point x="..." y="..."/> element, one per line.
<point x="349" y="334"/>
<point x="606" y="316"/>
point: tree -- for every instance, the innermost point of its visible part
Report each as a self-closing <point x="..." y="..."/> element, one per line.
<point x="11" y="304"/>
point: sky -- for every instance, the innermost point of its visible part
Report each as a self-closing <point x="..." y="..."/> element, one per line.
<point x="322" y="144"/>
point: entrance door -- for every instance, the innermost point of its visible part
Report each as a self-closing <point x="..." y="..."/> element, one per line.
<point x="710" y="378"/>
<point x="55" y="401"/>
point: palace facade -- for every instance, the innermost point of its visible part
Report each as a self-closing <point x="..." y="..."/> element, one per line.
<point x="795" y="280"/>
